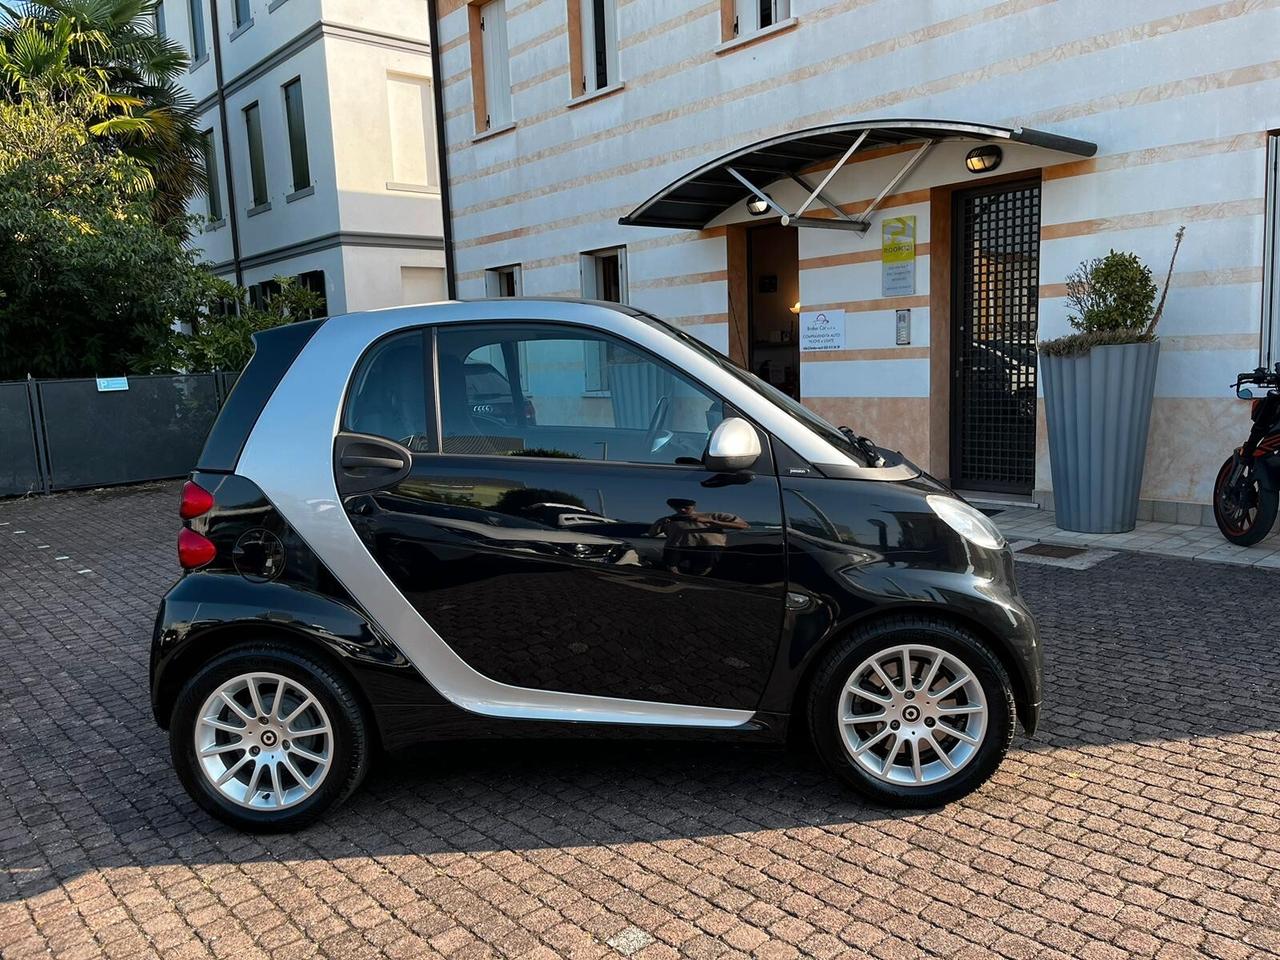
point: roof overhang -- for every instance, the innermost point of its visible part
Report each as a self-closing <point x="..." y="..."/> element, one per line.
<point x="697" y="198"/>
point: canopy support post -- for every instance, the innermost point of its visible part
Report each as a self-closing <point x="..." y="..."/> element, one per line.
<point x="832" y="172"/>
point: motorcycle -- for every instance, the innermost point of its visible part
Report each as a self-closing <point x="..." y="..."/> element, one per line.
<point x="1246" y="491"/>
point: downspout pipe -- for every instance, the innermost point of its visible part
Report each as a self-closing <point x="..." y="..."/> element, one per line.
<point x="232" y="210"/>
<point x="442" y="151"/>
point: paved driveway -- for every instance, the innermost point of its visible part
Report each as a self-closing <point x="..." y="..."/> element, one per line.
<point x="1143" y="820"/>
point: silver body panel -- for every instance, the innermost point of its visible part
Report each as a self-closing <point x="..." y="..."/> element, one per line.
<point x="289" y="455"/>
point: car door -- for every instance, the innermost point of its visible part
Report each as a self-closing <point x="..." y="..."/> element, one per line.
<point x="560" y="532"/>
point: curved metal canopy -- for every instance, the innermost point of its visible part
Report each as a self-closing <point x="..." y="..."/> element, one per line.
<point x="699" y="197"/>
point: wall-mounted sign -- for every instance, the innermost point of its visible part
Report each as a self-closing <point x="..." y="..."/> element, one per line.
<point x="902" y="331"/>
<point x="109" y="384"/>
<point x="898" y="256"/>
<point x="822" y="330"/>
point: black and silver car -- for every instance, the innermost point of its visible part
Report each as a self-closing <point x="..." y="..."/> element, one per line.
<point x="671" y="546"/>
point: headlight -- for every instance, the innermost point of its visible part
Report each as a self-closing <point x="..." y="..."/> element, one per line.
<point x="971" y="524"/>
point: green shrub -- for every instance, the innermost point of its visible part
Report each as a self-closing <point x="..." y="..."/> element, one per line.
<point x="1115" y="303"/>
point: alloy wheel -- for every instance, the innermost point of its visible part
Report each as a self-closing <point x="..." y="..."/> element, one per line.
<point x="912" y="715"/>
<point x="264" y="741"/>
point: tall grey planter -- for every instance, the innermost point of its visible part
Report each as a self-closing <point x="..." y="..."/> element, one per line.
<point x="1099" y="411"/>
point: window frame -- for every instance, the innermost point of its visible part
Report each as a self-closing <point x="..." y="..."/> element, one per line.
<point x="1269" y="339"/>
<point x="159" y="19"/>
<point x="199" y="39"/>
<point x="431" y="413"/>
<point x="493" y="278"/>
<point x="490" y="66"/>
<point x="586" y="33"/>
<point x="241" y="13"/>
<point x="733" y="13"/>
<point x="296" y="85"/>
<point x="764" y="465"/>
<point x="215" y="212"/>
<point x="258" y="170"/>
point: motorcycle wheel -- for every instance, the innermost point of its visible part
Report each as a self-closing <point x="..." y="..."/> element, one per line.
<point x="1245" y="513"/>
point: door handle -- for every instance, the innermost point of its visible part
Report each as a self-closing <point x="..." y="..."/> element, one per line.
<point x="380" y="463"/>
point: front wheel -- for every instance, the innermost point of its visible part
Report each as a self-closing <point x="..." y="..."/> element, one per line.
<point x="912" y="712"/>
<point x="1244" y="509"/>
<point x="267" y="739"/>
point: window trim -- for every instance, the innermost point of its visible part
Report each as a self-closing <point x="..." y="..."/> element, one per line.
<point x="265" y="202"/>
<point x="766" y="460"/>
<point x="298" y="188"/>
<point x="1269" y="338"/>
<point x="431" y="420"/>
<point x="485" y="122"/>
<point x="493" y="278"/>
<point x="580" y="42"/>
<point x="195" y="17"/>
<point x="213" y="179"/>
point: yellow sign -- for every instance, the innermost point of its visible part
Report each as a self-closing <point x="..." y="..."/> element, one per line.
<point x="898" y="256"/>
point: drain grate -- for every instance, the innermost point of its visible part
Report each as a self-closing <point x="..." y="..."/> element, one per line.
<point x="1052" y="550"/>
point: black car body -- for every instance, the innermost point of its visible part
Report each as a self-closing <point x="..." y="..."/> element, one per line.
<point x="693" y="554"/>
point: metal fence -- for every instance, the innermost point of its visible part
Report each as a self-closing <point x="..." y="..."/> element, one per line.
<point x="65" y="434"/>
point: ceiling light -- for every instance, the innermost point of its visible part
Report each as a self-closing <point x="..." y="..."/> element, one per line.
<point x="757" y="207"/>
<point x="983" y="159"/>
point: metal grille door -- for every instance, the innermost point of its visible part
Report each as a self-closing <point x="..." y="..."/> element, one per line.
<point x="993" y="346"/>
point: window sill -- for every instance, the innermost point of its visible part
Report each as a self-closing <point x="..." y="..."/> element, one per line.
<point x="600" y="94"/>
<point x="274" y="5"/>
<point x="260" y="208"/>
<point x="240" y="29"/>
<point x="197" y="64"/>
<point x="493" y="132"/>
<point x="412" y="188"/>
<point x="737" y="43"/>
<point x="597" y="394"/>
<point x="299" y="194"/>
<point x="212" y="225"/>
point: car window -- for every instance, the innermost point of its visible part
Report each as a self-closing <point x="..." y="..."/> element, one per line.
<point x="551" y="392"/>
<point x="388" y="396"/>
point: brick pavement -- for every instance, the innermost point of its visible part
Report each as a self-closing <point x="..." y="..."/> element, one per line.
<point x="1144" y="819"/>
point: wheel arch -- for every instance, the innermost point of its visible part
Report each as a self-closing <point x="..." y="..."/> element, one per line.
<point x="1028" y="712"/>
<point x="216" y="641"/>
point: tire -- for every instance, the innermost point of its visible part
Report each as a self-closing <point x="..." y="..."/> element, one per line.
<point x="328" y="725"/>
<point x="1244" y="524"/>
<point x="948" y="767"/>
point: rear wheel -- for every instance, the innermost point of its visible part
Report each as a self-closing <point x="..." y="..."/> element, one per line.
<point x="1244" y="509"/>
<point x="267" y="739"/>
<point x="912" y="712"/>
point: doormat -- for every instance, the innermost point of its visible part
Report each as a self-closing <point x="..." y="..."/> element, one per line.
<point x="1057" y="555"/>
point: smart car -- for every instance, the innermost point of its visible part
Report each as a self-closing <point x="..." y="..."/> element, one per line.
<point x="371" y="563"/>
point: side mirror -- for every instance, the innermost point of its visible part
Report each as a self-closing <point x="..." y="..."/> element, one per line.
<point x="1244" y="393"/>
<point x="733" y="446"/>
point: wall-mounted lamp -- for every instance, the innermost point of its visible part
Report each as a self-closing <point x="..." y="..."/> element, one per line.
<point x="983" y="159"/>
<point x="796" y="307"/>
<point x="757" y="207"/>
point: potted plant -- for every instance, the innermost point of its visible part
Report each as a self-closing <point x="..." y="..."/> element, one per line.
<point x="1098" y="384"/>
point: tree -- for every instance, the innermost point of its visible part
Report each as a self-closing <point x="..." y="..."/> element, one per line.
<point x="88" y="279"/>
<point x="104" y="57"/>
<point x="222" y="339"/>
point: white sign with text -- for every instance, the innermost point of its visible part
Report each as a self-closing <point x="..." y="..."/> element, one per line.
<point x="822" y="330"/>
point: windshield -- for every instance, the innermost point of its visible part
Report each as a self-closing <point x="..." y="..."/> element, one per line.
<point x="827" y="431"/>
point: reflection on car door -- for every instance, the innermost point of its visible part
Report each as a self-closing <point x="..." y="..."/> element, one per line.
<point x="547" y="560"/>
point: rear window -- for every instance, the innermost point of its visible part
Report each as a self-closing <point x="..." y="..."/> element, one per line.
<point x="274" y="352"/>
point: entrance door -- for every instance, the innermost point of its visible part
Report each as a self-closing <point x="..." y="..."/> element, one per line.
<point x="773" y="257"/>
<point x="996" y="272"/>
<point x="563" y="534"/>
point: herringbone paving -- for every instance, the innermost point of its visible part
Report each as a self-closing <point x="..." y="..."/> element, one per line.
<point x="1143" y="820"/>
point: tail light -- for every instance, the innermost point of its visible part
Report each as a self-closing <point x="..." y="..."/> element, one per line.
<point x="530" y="415"/>
<point x="196" y="501"/>
<point x="194" y="550"/>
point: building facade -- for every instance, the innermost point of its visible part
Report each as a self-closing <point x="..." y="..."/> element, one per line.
<point x="650" y="151"/>
<point x="320" y="139"/>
